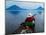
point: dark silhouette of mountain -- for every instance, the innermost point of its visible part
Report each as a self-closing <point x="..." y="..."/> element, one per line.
<point x="15" y="7"/>
<point x="40" y="8"/>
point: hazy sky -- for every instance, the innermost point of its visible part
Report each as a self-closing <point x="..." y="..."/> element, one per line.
<point x="27" y="5"/>
<point x="28" y="0"/>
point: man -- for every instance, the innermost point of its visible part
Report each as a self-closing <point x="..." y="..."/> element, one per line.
<point x="30" y="20"/>
<point x="29" y="24"/>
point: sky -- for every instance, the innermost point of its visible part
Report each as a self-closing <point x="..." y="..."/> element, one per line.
<point x="25" y="5"/>
<point x="27" y="0"/>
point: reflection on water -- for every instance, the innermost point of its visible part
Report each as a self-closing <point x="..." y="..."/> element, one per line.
<point x="15" y="18"/>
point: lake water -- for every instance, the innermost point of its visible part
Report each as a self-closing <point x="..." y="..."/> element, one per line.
<point x="15" y="18"/>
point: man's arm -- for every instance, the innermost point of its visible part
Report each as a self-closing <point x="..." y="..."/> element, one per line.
<point x="33" y="20"/>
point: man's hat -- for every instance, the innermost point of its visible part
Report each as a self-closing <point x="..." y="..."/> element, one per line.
<point x="29" y="15"/>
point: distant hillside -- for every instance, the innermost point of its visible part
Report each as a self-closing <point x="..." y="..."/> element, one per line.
<point x="40" y="8"/>
<point x="15" y="7"/>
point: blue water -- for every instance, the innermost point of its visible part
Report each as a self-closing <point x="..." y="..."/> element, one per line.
<point x="15" y="18"/>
